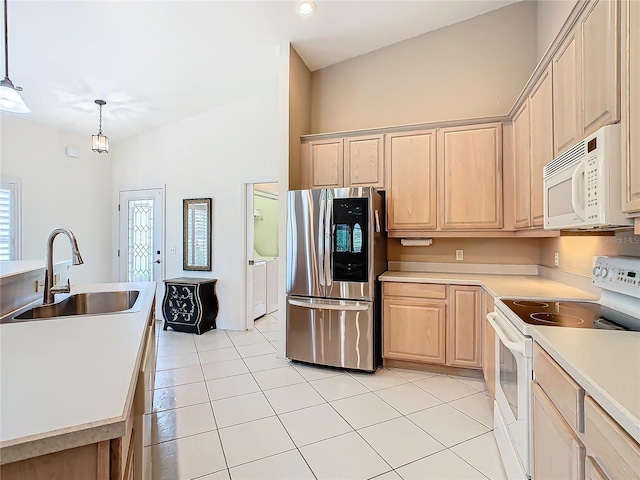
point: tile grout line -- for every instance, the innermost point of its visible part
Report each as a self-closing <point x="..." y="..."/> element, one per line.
<point x="281" y="423"/>
<point x="305" y="380"/>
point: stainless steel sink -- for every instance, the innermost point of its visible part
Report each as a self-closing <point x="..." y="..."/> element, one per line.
<point x="97" y="303"/>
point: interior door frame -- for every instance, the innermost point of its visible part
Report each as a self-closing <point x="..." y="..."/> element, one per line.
<point x="163" y="222"/>
<point x="248" y="247"/>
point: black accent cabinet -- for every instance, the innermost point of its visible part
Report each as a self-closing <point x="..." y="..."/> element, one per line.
<point x="190" y="305"/>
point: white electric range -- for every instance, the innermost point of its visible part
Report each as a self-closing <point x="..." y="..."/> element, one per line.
<point x="514" y="320"/>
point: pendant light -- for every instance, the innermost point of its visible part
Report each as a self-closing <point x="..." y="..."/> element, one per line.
<point x="100" y="141"/>
<point x="10" y="99"/>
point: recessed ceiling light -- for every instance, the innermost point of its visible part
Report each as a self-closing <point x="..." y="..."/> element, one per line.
<point x="306" y="8"/>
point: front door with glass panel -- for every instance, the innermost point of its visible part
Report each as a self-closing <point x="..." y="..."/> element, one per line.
<point x="141" y="250"/>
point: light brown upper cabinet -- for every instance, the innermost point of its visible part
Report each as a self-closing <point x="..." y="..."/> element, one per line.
<point x="470" y="182"/>
<point x="356" y="161"/>
<point x="541" y="141"/>
<point x="364" y="161"/>
<point x="464" y="323"/>
<point x="600" y="66"/>
<point x="522" y="190"/>
<point x="411" y="178"/>
<point x="586" y="87"/>
<point x="325" y="164"/>
<point x="631" y="109"/>
<point x="567" y="121"/>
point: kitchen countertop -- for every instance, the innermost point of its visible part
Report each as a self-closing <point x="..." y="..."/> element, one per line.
<point x="605" y="363"/>
<point x="496" y="285"/>
<point x="69" y="381"/>
<point x="10" y="268"/>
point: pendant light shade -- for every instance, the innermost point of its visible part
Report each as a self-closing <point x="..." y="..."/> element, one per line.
<point x="100" y="142"/>
<point x="10" y="98"/>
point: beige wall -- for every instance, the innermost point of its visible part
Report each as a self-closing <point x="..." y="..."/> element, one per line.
<point x="520" y="251"/>
<point x="299" y="113"/>
<point x="551" y="15"/>
<point x="576" y="253"/>
<point x="471" y="69"/>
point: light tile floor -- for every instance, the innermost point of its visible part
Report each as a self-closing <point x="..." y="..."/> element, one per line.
<point x="226" y="407"/>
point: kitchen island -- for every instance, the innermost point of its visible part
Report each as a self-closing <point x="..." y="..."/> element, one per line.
<point x="70" y="381"/>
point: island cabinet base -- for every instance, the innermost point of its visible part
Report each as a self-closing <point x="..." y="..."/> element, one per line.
<point x="81" y="463"/>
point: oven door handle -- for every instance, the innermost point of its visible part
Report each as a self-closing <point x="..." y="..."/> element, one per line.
<point x="511" y="345"/>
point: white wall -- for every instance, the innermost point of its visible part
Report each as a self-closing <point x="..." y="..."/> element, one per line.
<point x="551" y="15"/>
<point x="59" y="191"/>
<point x="209" y="155"/>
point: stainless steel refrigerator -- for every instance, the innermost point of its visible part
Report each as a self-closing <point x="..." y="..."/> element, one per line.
<point x="336" y="248"/>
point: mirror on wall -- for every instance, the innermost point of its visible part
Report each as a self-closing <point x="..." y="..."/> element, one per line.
<point x="196" y="234"/>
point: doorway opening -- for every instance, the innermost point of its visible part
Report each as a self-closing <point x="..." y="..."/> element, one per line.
<point x="262" y="254"/>
<point x="141" y="238"/>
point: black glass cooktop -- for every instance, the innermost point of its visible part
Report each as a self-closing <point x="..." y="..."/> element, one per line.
<point x="568" y="314"/>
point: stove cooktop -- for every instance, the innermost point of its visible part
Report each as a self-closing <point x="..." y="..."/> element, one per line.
<point x="568" y="314"/>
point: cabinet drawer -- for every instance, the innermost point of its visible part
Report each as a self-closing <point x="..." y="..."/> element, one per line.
<point x="614" y="450"/>
<point x="566" y="395"/>
<point x="420" y="290"/>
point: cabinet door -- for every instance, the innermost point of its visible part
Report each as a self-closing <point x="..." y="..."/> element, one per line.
<point x="521" y="149"/>
<point x="592" y="470"/>
<point x="557" y="452"/>
<point x="411" y="180"/>
<point x="567" y="122"/>
<point x="600" y="67"/>
<point x="464" y="327"/>
<point x="631" y="108"/>
<point x="326" y="167"/>
<point x="364" y="161"/>
<point x="541" y="148"/>
<point x="470" y="162"/>
<point x="414" y="330"/>
<point x="489" y="346"/>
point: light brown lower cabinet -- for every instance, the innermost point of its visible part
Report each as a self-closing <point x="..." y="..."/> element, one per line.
<point x="488" y="346"/>
<point x="557" y="451"/>
<point x="432" y="323"/>
<point x="464" y="327"/>
<point x="414" y="330"/>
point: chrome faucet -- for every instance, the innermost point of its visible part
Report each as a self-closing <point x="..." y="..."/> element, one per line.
<point x="49" y="288"/>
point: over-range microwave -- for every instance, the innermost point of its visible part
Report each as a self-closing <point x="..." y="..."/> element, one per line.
<point x="582" y="187"/>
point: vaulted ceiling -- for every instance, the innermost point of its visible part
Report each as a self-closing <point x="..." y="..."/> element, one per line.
<point x="156" y="62"/>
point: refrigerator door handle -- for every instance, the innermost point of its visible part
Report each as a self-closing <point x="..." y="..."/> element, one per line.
<point x="322" y="251"/>
<point x="328" y="240"/>
<point x="355" y="306"/>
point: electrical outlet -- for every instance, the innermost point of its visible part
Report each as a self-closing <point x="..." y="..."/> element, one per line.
<point x="556" y="259"/>
<point x="459" y="255"/>
<point x="39" y="286"/>
<point x="172" y="250"/>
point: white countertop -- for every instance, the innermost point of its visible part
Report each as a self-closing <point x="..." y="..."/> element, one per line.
<point x="605" y="363"/>
<point x="496" y="285"/>
<point x="66" y="382"/>
<point x="9" y="268"/>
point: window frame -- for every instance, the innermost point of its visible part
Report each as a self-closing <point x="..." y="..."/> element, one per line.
<point x="14" y="184"/>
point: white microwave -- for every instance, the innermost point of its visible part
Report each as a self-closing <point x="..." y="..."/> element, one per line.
<point x="582" y="187"/>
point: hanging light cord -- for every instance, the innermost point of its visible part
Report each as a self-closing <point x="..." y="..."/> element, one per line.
<point x="6" y="43"/>
<point x="100" y="124"/>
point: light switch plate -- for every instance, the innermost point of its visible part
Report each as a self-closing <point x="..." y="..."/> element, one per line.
<point x="459" y="255"/>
